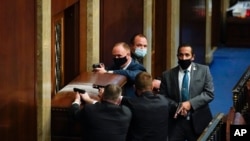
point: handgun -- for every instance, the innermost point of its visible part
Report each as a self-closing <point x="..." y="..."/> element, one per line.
<point x="82" y="91"/>
<point x="97" y="86"/>
<point x="177" y="110"/>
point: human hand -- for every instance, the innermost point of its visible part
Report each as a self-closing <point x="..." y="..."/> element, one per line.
<point x="100" y="92"/>
<point x="156" y="84"/>
<point x="183" y="109"/>
<point x="100" y="69"/>
<point x="186" y="105"/>
<point x="85" y="96"/>
<point x="77" y="98"/>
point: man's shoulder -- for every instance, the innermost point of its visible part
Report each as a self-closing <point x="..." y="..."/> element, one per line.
<point x="199" y="66"/>
<point x="172" y="70"/>
<point x="162" y="98"/>
<point x="137" y="65"/>
<point x="101" y="105"/>
<point x="151" y="95"/>
<point x="135" y="62"/>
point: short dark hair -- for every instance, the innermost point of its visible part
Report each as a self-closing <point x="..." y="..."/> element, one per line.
<point x="184" y="45"/>
<point x="143" y="81"/>
<point x="112" y="92"/>
<point x="132" y="40"/>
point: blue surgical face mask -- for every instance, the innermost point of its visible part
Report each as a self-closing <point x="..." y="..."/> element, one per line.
<point x="140" y="52"/>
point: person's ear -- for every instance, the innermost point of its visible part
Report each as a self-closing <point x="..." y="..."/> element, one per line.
<point x="192" y="59"/>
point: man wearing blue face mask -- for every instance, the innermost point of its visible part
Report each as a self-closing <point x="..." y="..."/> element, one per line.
<point x="138" y="45"/>
<point x="125" y="65"/>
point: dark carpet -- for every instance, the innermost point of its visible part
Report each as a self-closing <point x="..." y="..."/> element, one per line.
<point x="227" y="67"/>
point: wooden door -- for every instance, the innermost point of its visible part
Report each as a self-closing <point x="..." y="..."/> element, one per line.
<point x="159" y="48"/>
<point x="65" y="45"/>
<point x="120" y="20"/>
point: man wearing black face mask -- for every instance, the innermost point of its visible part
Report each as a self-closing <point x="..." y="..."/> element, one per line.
<point x="190" y="87"/>
<point x="124" y="65"/>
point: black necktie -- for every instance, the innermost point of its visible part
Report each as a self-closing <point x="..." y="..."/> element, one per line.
<point x="184" y="88"/>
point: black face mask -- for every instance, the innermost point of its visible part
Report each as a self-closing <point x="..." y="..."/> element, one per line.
<point x="120" y="61"/>
<point x="184" y="63"/>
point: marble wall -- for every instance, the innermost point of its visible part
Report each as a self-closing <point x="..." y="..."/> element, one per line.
<point x="43" y="89"/>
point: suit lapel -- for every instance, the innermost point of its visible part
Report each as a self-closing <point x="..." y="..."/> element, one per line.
<point x="192" y="78"/>
<point x="175" y="77"/>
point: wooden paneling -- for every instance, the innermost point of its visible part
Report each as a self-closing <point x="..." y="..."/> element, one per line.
<point x="69" y="48"/>
<point x="193" y="26"/>
<point x="58" y="6"/>
<point x="120" y="19"/>
<point x="159" y="50"/>
<point x="18" y="120"/>
<point x="71" y="42"/>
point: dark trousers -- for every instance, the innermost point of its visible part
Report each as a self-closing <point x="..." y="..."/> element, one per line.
<point x="182" y="130"/>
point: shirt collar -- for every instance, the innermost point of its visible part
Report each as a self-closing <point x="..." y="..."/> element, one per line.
<point x="124" y="68"/>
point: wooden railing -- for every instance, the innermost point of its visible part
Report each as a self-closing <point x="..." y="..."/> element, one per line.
<point x="233" y="118"/>
<point x="215" y="131"/>
<point x="239" y="113"/>
<point x="240" y="93"/>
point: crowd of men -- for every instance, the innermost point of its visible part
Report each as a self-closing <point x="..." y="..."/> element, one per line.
<point x="179" y="111"/>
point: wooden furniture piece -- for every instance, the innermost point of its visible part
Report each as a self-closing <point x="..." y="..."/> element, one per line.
<point x="241" y="93"/>
<point x="62" y="127"/>
<point x="239" y="114"/>
<point x="233" y="118"/>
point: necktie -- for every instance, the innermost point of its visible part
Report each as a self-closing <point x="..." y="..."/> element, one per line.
<point x="184" y="88"/>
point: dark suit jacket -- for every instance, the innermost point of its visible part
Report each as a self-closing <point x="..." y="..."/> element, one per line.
<point x="136" y="58"/>
<point x="200" y="91"/>
<point x="132" y="70"/>
<point x="103" y="121"/>
<point x="150" y="117"/>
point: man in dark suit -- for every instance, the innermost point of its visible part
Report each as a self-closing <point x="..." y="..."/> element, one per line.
<point x="106" y="120"/>
<point x="149" y="112"/>
<point x="193" y="113"/>
<point x="123" y="65"/>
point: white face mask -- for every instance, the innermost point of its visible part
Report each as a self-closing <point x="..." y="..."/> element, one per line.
<point x="140" y="52"/>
